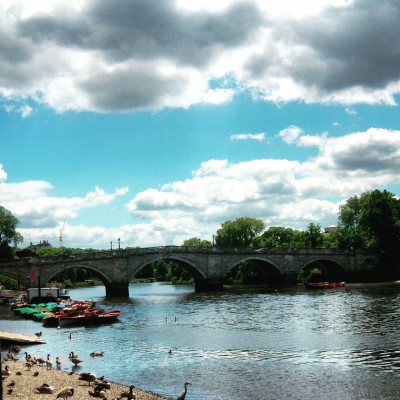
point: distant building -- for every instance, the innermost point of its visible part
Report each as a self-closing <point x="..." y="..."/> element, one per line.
<point x="42" y="243"/>
<point x="329" y="228"/>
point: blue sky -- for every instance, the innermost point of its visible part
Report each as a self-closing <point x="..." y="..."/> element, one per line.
<point x="154" y="122"/>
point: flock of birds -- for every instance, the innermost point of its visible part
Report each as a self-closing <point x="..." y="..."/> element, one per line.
<point x="100" y="385"/>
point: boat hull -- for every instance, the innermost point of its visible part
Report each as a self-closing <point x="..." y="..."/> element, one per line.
<point x="324" y="285"/>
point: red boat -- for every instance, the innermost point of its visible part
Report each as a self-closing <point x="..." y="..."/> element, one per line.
<point x="324" y="285"/>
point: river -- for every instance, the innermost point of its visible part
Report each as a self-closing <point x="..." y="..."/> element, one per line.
<point x="259" y="344"/>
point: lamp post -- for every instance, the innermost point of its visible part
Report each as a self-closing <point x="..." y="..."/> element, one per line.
<point x="119" y="244"/>
<point x="213" y="240"/>
<point x="111" y="246"/>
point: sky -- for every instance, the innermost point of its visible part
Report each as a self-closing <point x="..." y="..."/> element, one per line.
<point x="154" y="122"/>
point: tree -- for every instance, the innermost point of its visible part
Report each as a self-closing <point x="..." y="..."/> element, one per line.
<point x="8" y="233"/>
<point x="371" y="220"/>
<point x="313" y="235"/>
<point x="276" y="236"/>
<point x="197" y="242"/>
<point x="239" y="233"/>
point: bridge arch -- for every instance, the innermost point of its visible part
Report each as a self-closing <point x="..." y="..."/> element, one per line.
<point x="269" y="272"/>
<point x="332" y="270"/>
<point x="192" y="268"/>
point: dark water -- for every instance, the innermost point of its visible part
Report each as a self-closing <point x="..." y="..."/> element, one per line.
<point x="261" y="344"/>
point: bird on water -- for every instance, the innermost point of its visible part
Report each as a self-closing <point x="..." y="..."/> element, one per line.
<point x="183" y="394"/>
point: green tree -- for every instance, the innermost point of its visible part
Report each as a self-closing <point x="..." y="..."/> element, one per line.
<point x="371" y="220"/>
<point x="276" y="236"/>
<point x="239" y="233"/>
<point x="197" y="242"/>
<point x="313" y="235"/>
<point x="8" y="233"/>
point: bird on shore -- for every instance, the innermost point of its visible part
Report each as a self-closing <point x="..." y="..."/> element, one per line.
<point x="96" y="353"/>
<point x="36" y="373"/>
<point x="29" y="358"/>
<point x="41" y="361"/>
<point x="101" y="394"/>
<point x="129" y="395"/>
<point x="183" y="394"/>
<point x="58" y="362"/>
<point x="65" y="392"/>
<point x="102" y="385"/>
<point x="10" y="355"/>
<point x="87" y="377"/>
<point x="49" y="363"/>
<point x="45" y="389"/>
<point x="6" y="371"/>
<point x="11" y="384"/>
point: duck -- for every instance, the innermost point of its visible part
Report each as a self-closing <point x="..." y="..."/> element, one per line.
<point x="96" y="353"/>
<point x="87" y="377"/>
<point x="65" y="392"/>
<point x="45" y="389"/>
<point x="129" y="395"/>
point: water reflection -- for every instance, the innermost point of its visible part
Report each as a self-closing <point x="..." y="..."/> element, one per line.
<point x="261" y="343"/>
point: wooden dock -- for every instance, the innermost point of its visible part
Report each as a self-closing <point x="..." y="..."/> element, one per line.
<point x="11" y="337"/>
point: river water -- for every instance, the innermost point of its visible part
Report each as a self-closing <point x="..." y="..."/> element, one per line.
<point x="254" y="344"/>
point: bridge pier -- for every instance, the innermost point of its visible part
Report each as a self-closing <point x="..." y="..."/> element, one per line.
<point x="117" y="289"/>
<point x="206" y="285"/>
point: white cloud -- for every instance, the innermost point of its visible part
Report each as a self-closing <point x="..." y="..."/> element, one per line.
<point x="248" y="136"/>
<point x="278" y="191"/>
<point x="91" y="56"/>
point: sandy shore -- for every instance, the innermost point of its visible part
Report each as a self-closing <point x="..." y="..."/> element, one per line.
<point x="26" y="383"/>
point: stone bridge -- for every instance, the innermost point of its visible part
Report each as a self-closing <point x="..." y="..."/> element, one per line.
<point x="210" y="267"/>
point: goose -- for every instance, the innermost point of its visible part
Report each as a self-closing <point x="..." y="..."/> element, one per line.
<point x="6" y="371"/>
<point x="73" y="355"/>
<point x="58" y="362"/>
<point x="38" y="334"/>
<point x="183" y="394"/>
<point x="10" y="355"/>
<point x="101" y="394"/>
<point x="74" y="358"/>
<point x="96" y="353"/>
<point x="87" y="377"/>
<point x="129" y="395"/>
<point x="30" y="358"/>
<point x="49" y="363"/>
<point x="41" y="361"/>
<point x="65" y="392"/>
<point x="102" y="385"/>
<point x="45" y="388"/>
<point x="29" y="365"/>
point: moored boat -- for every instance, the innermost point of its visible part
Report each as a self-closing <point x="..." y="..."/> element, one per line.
<point x="324" y="285"/>
<point x="84" y="317"/>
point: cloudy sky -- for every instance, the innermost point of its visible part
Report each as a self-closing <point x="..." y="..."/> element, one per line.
<point x="156" y="121"/>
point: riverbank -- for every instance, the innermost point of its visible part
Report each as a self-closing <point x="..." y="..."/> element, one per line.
<point x="26" y="381"/>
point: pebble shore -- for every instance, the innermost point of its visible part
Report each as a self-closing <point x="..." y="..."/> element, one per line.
<point x="28" y="379"/>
